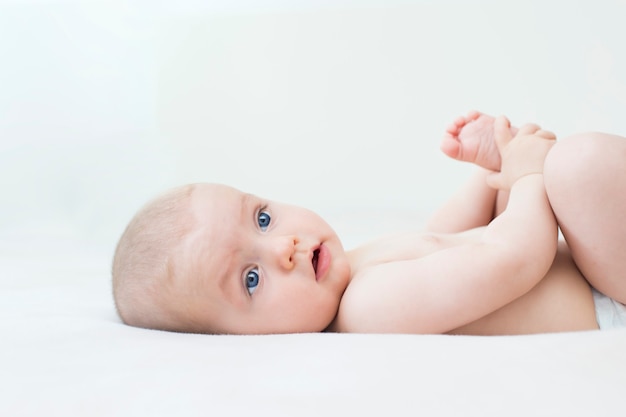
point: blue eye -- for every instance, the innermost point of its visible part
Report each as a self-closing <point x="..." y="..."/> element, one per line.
<point x="264" y="219"/>
<point x="252" y="280"/>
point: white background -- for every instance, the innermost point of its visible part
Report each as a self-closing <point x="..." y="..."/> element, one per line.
<point x="334" y="105"/>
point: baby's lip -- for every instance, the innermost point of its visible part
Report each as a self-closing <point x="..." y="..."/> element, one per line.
<point x="314" y="258"/>
<point x="320" y="260"/>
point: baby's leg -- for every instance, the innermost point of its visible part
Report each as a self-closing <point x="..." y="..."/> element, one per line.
<point x="471" y="139"/>
<point x="585" y="178"/>
<point x="475" y="203"/>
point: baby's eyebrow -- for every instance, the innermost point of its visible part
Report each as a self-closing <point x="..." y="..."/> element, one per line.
<point x="229" y="282"/>
<point x="244" y="206"/>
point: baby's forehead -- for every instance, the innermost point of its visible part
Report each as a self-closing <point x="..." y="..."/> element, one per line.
<point x="199" y="263"/>
<point x="217" y="198"/>
<point x="219" y="214"/>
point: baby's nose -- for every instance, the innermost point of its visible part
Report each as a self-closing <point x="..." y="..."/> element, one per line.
<point x="285" y="248"/>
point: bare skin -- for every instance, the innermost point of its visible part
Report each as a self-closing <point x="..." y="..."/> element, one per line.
<point x="489" y="263"/>
<point x="580" y="173"/>
<point x="471" y="139"/>
<point x="585" y="181"/>
<point x="560" y="301"/>
<point x="594" y="235"/>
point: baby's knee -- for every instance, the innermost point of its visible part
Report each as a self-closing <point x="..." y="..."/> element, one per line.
<point x="575" y="161"/>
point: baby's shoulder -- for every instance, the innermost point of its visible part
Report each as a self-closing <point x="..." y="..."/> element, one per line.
<point x="353" y="306"/>
<point x="369" y="302"/>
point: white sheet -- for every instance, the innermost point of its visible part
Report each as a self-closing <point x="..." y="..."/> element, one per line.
<point x="65" y="353"/>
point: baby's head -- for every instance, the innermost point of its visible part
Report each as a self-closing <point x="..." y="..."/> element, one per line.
<point x="208" y="258"/>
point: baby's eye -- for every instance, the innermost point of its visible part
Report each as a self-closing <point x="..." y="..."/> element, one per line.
<point x="252" y="280"/>
<point x="264" y="219"/>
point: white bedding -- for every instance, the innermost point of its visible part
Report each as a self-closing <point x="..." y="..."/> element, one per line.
<point x="65" y="353"/>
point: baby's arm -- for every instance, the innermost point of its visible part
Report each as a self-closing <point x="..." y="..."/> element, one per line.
<point x="455" y="286"/>
<point x="473" y="205"/>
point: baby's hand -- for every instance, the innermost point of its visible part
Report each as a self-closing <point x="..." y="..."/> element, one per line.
<point x="521" y="155"/>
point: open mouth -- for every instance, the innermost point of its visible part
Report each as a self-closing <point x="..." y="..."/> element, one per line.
<point x="316" y="254"/>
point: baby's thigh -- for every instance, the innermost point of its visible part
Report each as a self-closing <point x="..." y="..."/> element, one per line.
<point x="585" y="177"/>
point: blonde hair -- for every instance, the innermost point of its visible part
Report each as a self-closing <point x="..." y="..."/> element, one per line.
<point x="143" y="259"/>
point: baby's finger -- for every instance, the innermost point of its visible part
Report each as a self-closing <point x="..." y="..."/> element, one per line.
<point x="528" y="129"/>
<point x="546" y="134"/>
<point x="495" y="180"/>
<point x="502" y="131"/>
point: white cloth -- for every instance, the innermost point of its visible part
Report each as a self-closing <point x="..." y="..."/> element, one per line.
<point x="609" y="313"/>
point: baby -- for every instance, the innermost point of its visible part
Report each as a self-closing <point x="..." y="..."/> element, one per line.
<point x="207" y="258"/>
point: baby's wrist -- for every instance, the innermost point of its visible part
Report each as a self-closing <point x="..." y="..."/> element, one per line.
<point x="529" y="175"/>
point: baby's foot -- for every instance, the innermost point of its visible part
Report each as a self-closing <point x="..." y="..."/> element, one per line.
<point x="471" y="139"/>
